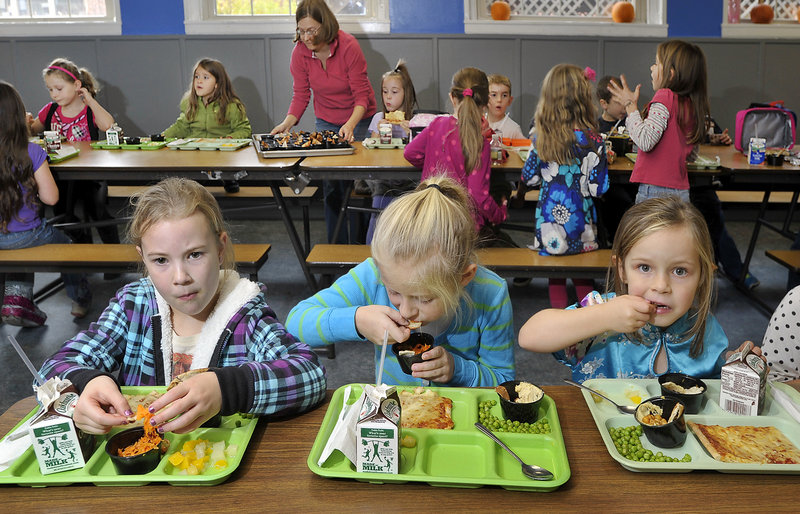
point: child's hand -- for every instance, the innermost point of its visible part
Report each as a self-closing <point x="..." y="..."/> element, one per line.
<point x="101" y="407"/>
<point x="621" y="93"/>
<point x="720" y="139"/>
<point x="629" y="313"/>
<point x="437" y="366"/>
<point x="29" y="119"/>
<point x="373" y="320"/>
<point x="191" y="403"/>
<point x="84" y="94"/>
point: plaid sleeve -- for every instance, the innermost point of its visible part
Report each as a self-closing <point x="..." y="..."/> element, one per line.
<point x="271" y="372"/>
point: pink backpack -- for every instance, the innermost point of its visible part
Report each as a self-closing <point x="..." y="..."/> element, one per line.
<point x="771" y="121"/>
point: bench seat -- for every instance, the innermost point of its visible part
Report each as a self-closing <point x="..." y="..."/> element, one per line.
<point x="787" y="258"/>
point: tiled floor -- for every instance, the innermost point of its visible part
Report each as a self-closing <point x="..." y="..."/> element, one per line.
<point x="353" y="362"/>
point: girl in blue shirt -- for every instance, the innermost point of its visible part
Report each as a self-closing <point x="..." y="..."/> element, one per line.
<point x="658" y="317"/>
<point x="424" y="270"/>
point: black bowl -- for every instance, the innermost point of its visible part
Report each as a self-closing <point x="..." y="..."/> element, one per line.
<point x="522" y="412"/>
<point x="664" y="436"/>
<point x="692" y="402"/>
<point x="132" y="140"/>
<point x="407" y="360"/>
<point x="621" y="144"/>
<point x="775" y="159"/>
<point x="157" y="138"/>
<point x="136" y="465"/>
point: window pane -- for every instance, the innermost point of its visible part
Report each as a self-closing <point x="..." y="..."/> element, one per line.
<point x="565" y="8"/>
<point x="284" y="7"/>
<point x="52" y="8"/>
<point x="784" y="10"/>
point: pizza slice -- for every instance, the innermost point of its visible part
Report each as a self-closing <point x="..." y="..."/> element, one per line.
<point x="424" y="408"/>
<point x="746" y="444"/>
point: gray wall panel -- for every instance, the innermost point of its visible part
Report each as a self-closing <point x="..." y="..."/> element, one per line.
<point x="7" y="71"/>
<point x="143" y="81"/>
<point x="731" y="87"/>
<point x="632" y="59"/>
<point x="246" y="63"/>
<point x="31" y="57"/>
<point x="782" y="76"/>
<point x="280" y="52"/>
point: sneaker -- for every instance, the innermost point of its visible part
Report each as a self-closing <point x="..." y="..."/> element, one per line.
<point x="79" y="311"/>
<point x="751" y="282"/>
<point x="21" y="312"/>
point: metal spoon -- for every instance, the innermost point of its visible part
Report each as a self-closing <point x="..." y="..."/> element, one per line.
<point x="530" y="471"/>
<point x="624" y="409"/>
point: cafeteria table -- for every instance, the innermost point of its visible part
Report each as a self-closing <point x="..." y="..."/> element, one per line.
<point x="274" y="476"/>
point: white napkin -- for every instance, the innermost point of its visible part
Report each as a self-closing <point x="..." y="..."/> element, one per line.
<point x="15" y="444"/>
<point x="343" y="436"/>
<point x="784" y="401"/>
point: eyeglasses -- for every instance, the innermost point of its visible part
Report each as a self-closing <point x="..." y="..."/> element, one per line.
<point x="309" y="32"/>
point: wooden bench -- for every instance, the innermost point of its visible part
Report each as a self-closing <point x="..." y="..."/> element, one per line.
<point x="104" y="258"/>
<point x="331" y="259"/>
<point x="754" y="197"/>
<point x="787" y="258"/>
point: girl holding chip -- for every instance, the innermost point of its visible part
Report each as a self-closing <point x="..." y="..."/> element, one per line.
<point x="423" y="269"/>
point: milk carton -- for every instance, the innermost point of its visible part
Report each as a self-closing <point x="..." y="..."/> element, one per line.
<point x="378" y="431"/>
<point x="743" y="383"/>
<point x="113" y="135"/>
<point x="757" y="150"/>
<point x="56" y="442"/>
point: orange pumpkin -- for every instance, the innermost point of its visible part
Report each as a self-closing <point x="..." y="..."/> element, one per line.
<point x="500" y="10"/>
<point x="622" y="12"/>
<point x="762" y="13"/>
<point x="798" y="15"/>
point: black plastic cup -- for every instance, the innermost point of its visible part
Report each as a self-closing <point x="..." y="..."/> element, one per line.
<point x="672" y="434"/>
<point x="407" y="360"/>
<point x="522" y="412"/>
<point x="692" y="402"/>
<point x="136" y="465"/>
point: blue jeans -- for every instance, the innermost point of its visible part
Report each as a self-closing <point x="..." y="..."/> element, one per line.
<point x="647" y="191"/>
<point x="76" y="284"/>
<point x="333" y="192"/>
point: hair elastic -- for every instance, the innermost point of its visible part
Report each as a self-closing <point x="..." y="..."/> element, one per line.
<point x="467" y="92"/>
<point x="64" y="70"/>
<point x="589" y="74"/>
<point x="435" y="186"/>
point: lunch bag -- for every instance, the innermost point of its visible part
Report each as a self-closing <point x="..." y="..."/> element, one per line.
<point x="771" y="121"/>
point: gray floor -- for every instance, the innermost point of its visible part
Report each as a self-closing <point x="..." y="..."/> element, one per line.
<point x="353" y="362"/>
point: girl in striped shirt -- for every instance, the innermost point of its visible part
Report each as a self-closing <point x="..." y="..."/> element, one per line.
<point x="423" y="270"/>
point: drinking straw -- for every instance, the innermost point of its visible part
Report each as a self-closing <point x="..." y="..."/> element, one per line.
<point x="383" y="357"/>
<point x="36" y="376"/>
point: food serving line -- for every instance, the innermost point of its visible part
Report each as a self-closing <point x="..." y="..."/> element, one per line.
<point x="274" y="475"/>
<point x="248" y="167"/>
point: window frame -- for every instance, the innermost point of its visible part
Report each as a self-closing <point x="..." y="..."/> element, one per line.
<point x="110" y="25"/>
<point x="654" y="26"/>
<point x="200" y="20"/>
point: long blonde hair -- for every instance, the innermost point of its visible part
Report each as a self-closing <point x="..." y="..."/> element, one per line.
<point x="176" y="198"/>
<point x="656" y="214"/>
<point x="432" y="230"/>
<point x="566" y="103"/>
<point x="470" y="112"/>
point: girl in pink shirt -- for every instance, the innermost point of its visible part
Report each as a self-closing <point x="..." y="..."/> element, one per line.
<point x="672" y="123"/>
<point x="455" y="145"/>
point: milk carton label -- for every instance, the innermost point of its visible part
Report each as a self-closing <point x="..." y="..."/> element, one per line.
<point x="112" y="136"/>
<point x="743" y="381"/>
<point x="56" y="445"/>
<point x="757" y="150"/>
<point x="378" y="433"/>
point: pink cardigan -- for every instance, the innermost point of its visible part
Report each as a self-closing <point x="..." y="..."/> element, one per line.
<point x="338" y="88"/>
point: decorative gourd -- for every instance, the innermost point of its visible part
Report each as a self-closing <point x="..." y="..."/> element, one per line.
<point x="762" y="13"/>
<point x="500" y="10"/>
<point x="623" y="12"/>
<point x="798" y="15"/>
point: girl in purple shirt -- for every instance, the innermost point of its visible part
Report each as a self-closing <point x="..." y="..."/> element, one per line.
<point x="26" y="181"/>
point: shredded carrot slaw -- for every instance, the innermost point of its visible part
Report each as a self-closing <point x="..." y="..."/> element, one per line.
<point x="151" y="439"/>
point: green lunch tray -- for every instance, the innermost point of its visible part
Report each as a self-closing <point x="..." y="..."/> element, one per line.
<point x="461" y="457"/>
<point x="700" y="163"/>
<point x="66" y="152"/>
<point x="204" y="143"/>
<point x="152" y="145"/>
<point x="374" y="142"/>
<point x="99" y="469"/>
<point x="606" y="416"/>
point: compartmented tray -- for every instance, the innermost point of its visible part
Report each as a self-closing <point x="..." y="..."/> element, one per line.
<point x="66" y="152"/>
<point x="374" y="142"/>
<point x="99" y="469"/>
<point x="270" y="146"/>
<point x="461" y="457"/>
<point x="206" y="143"/>
<point x="701" y="163"/>
<point x="606" y="416"/>
<point x="152" y="145"/>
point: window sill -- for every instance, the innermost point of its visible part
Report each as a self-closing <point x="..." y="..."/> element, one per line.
<point x="276" y="27"/>
<point x="560" y="28"/>
<point x="747" y="30"/>
<point x="42" y="28"/>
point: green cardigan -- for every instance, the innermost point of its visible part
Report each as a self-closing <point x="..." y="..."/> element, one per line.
<point x="205" y="122"/>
